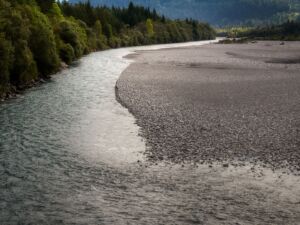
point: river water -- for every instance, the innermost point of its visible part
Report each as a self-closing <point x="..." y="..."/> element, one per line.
<point x="71" y="154"/>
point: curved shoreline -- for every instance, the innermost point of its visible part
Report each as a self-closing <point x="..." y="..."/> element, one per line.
<point x="200" y="105"/>
<point x="68" y="152"/>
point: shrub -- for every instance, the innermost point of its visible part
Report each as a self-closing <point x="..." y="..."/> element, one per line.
<point x="66" y="53"/>
<point x="24" y="68"/>
<point x="6" y="60"/>
<point x="42" y="42"/>
<point x="71" y="33"/>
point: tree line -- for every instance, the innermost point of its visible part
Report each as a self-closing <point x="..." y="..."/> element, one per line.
<point x="288" y="31"/>
<point x="36" y="36"/>
<point x="222" y="12"/>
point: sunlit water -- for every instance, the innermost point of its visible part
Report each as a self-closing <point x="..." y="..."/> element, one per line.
<point x="71" y="154"/>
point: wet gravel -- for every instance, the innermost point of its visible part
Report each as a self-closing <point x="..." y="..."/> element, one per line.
<point x="218" y="102"/>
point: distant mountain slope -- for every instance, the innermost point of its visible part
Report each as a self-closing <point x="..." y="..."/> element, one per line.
<point x="219" y="12"/>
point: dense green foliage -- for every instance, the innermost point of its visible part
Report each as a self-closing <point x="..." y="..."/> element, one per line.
<point x="37" y="35"/>
<point x="289" y="31"/>
<point x="136" y="25"/>
<point x="221" y="12"/>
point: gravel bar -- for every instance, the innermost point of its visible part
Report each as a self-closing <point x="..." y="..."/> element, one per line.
<point x="229" y="103"/>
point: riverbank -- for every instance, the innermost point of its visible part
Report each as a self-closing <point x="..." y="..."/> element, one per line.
<point x="70" y="154"/>
<point x="15" y="91"/>
<point x="35" y="50"/>
<point x="224" y="103"/>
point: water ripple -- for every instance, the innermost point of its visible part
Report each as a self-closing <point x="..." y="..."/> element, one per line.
<point x="69" y="152"/>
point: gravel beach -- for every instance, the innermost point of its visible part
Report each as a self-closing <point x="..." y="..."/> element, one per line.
<point x="231" y="103"/>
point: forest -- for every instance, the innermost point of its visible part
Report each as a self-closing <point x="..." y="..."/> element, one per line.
<point x="38" y="36"/>
<point x="288" y="31"/>
<point x="221" y="13"/>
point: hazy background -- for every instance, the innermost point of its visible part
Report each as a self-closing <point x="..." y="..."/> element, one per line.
<point x="220" y="12"/>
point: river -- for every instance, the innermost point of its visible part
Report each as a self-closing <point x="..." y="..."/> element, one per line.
<point x="71" y="154"/>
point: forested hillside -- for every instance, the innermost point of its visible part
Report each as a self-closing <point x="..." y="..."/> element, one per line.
<point x="221" y="12"/>
<point x="37" y="36"/>
<point x="289" y="31"/>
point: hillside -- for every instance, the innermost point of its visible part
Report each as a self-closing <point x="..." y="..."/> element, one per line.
<point x="220" y="12"/>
